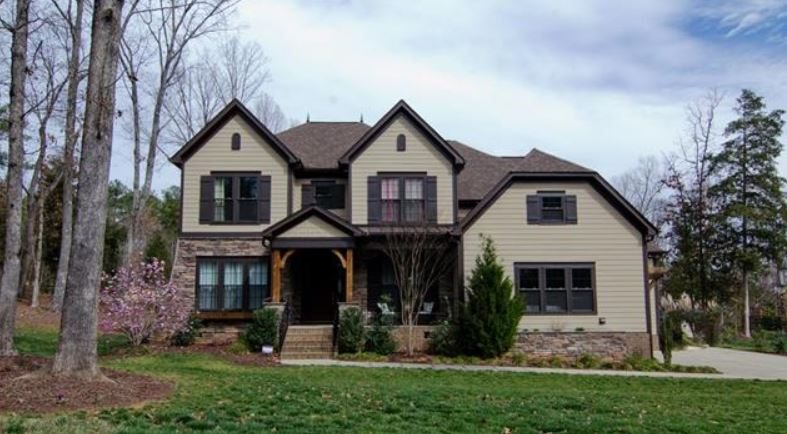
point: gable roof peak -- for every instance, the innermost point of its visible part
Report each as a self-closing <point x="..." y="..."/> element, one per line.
<point x="234" y="107"/>
<point x="401" y="107"/>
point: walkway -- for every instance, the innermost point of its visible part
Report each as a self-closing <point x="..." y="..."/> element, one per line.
<point x="766" y="375"/>
<point x="735" y="363"/>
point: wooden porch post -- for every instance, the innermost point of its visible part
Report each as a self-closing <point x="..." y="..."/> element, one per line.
<point x="348" y="290"/>
<point x="276" y="277"/>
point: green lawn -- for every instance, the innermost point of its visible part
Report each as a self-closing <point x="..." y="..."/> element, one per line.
<point x="217" y="396"/>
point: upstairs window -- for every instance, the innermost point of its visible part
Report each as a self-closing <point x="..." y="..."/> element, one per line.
<point x="551" y="208"/>
<point x="326" y="194"/>
<point x="401" y="143"/>
<point x="556" y="288"/>
<point x="234" y="198"/>
<point x="402" y="199"/>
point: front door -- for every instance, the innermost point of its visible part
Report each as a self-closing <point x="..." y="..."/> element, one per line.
<point x="319" y="280"/>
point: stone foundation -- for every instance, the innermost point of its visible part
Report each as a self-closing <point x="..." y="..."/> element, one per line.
<point x="220" y="333"/>
<point x="607" y="345"/>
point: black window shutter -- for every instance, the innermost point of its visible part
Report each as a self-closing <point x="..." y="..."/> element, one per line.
<point x="533" y="208"/>
<point x="373" y="205"/>
<point x="431" y="198"/>
<point x="307" y="195"/>
<point x="570" y="203"/>
<point x="264" y="199"/>
<point x="206" y="199"/>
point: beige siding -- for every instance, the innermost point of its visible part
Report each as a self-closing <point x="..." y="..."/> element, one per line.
<point x="215" y="155"/>
<point x="420" y="156"/>
<point x="602" y="236"/>
<point x="313" y="227"/>
<point x="296" y="195"/>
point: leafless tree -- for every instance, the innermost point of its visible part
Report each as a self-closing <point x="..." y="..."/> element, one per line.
<point x="72" y="17"/>
<point x="43" y="95"/>
<point x="14" y="178"/>
<point x="643" y="186"/>
<point x="421" y="255"/>
<point x="77" y="349"/>
<point x="170" y="27"/>
<point x="231" y="70"/>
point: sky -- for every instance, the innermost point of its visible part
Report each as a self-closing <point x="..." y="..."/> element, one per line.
<point x="598" y="82"/>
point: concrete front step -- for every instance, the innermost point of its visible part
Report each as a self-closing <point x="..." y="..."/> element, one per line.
<point x="293" y="356"/>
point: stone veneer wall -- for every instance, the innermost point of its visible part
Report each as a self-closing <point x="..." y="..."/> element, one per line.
<point x="184" y="269"/>
<point x="608" y="345"/>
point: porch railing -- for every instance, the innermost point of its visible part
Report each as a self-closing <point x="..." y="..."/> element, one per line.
<point x="335" y="327"/>
<point x="286" y="318"/>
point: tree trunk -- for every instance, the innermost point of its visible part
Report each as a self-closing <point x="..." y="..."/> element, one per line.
<point x="36" y="283"/>
<point x="14" y="179"/>
<point x="746" y="313"/>
<point x="68" y="157"/>
<point x="77" y="352"/>
<point x="35" y="201"/>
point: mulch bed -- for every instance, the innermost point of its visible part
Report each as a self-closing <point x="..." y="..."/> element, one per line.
<point x="45" y="393"/>
<point x="223" y="351"/>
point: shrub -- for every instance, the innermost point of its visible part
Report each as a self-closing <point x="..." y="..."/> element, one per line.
<point x="379" y="339"/>
<point x="780" y="343"/>
<point x="588" y="361"/>
<point x="670" y="328"/>
<point x="488" y="321"/>
<point x="139" y="302"/>
<point x="443" y="339"/>
<point x="351" y="331"/>
<point x="263" y="330"/>
<point x="188" y="334"/>
<point x="518" y="358"/>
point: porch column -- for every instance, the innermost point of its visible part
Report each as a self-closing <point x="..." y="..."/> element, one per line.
<point x="348" y="290"/>
<point x="276" y="277"/>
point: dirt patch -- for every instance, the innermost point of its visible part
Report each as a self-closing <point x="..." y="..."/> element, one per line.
<point x="45" y="393"/>
<point x="37" y="317"/>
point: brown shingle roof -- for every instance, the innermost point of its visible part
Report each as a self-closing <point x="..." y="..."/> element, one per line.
<point x="483" y="171"/>
<point x="319" y="145"/>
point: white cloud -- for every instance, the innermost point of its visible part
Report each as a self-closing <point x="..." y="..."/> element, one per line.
<point x="599" y="82"/>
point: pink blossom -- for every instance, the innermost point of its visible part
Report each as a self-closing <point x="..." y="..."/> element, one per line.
<point x="140" y="302"/>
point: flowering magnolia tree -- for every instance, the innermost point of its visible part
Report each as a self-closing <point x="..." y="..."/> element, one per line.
<point x="140" y="302"/>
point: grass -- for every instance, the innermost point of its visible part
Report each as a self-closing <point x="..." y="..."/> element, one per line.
<point x="762" y="341"/>
<point x="218" y="396"/>
<point x="43" y="342"/>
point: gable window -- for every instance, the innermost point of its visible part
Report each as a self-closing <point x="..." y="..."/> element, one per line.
<point x="551" y="208"/>
<point x="401" y="143"/>
<point x="235" y="142"/>
<point x="235" y="198"/>
<point x="231" y="284"/>
<point x="556" y="288"/>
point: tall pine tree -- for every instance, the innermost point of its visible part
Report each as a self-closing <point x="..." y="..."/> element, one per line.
<point x="749" y="191"/>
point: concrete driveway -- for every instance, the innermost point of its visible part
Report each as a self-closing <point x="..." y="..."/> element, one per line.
<point x="734" y="363"/>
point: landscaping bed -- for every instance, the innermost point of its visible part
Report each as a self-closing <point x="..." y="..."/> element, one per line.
<point x="632" y="363"/>
<point x="25" y="387"/>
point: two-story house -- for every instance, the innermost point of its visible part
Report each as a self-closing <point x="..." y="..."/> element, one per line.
<point x="299" y="217"/>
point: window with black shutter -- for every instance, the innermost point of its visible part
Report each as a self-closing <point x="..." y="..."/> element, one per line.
<point x="556" y="288"/>
<point x="404" y="199"/>
<point x="235" y="198"/>
<point x="551" y="208"/>
<point x="329" y="194"/>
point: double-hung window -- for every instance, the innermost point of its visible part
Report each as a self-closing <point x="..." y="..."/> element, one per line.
<point x="552" y="207"/>
<point x="234" y="198"/>
<point x="402" y="199"/>
<point x="231" y="284"/>
<point x="556" y="288"/>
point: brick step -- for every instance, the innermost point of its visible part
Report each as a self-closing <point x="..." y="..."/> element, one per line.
<point x="315" y="333"/>
<point x="307" y="347"/>
<point x="309" y="339"/>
